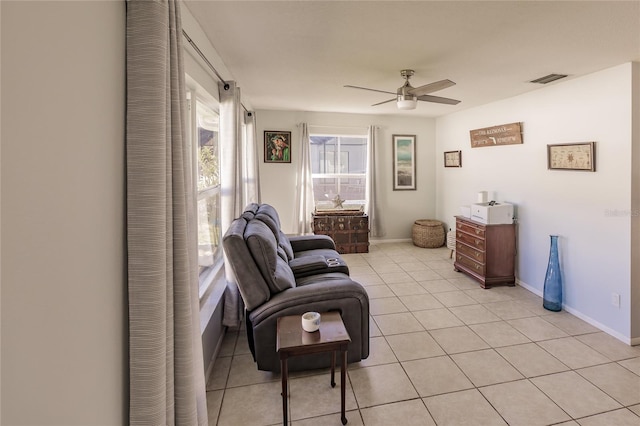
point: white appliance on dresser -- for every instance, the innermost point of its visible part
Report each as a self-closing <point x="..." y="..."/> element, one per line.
<point x="492" y="213"/>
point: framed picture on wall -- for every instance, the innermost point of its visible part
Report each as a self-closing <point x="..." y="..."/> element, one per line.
<point x="404" y="162"/>
<point x="572" y="156"/>
<point x="453" y="159"/>
<point x="277" y="146"/>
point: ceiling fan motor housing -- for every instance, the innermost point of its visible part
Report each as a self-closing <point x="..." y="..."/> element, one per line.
<point x="406" y="73"/>
<point x="406" y="101"/>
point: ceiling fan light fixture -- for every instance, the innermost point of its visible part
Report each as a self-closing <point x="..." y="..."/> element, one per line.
<point x="407" y="102"/>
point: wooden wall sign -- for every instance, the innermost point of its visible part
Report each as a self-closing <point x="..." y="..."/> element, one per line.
<point x="505" y="134"/>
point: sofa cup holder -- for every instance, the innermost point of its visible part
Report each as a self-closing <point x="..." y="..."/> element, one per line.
<point x="333" y="262"/>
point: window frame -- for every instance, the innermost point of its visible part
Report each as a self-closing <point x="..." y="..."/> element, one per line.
<point x="196" y="94"/>
<point x="341" y="176"/>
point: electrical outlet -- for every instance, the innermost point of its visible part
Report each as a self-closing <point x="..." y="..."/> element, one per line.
<point x="615" y="299"/>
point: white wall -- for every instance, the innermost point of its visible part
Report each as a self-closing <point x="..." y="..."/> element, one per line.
<point x="635" y="206"/>
<point x="64" y="357"/>
<point x="399" y="208"/>
<point x="594" y="246"/>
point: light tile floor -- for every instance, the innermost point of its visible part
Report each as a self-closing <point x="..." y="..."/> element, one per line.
<point x="445" y="352"/>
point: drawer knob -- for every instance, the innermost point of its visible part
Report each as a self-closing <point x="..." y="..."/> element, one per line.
<point x="478" y="232"/>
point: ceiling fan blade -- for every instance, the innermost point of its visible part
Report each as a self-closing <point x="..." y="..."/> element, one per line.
<point x="373" y="90"/>
<point x="384" y="102"/>
<point x="431" y="87"/>
<point x="438" y="100"/>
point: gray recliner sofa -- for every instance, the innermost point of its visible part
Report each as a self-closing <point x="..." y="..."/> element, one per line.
<point x="279" y="275"/>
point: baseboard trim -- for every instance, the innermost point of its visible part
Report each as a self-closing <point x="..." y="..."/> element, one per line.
<point x="585" y="318"/>
<point x="215" y="354"/>
<point x="528" y="287"/>
<point x="381" y="241"/>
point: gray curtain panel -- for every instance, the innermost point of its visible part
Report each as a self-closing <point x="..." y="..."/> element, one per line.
<point x="371" y="207"/>
<point x="165" y="349"/>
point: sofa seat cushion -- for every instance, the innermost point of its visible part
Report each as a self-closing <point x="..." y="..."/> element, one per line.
<point x="263" y="247"/>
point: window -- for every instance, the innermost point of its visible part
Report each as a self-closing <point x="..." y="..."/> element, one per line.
<point x="338" y="167"/>
<point x="207" y="146"/>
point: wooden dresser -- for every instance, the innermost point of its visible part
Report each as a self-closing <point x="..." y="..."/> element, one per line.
<point x="486" y="253"/>
<point x="349" y="232"/>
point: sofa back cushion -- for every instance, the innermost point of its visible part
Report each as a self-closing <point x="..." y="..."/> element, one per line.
<point x="250" y="211"/>
<point x="253" y="287"/>
<point x="263" y="246"/>
<point x="285" y="244"/>
<point x="267" y="214"/>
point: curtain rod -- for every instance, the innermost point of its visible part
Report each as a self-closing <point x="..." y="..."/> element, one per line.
<point x="338" y="127"/>
<point x="204" y="58"/>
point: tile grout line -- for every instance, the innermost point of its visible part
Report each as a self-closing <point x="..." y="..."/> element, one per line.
<point x="378" y="255"/>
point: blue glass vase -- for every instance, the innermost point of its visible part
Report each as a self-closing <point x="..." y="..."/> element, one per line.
<point x="552" y="299"/>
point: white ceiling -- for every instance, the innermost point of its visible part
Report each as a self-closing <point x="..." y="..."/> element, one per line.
<point x="298" y="55"/>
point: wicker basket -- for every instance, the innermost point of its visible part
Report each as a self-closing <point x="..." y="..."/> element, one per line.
<point x="428" y="233"/>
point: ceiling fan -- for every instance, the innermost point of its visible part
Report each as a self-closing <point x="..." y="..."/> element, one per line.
<point x="408" y="96"/>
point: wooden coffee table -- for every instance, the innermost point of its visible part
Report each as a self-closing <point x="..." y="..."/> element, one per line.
<point x="292" y="341"/>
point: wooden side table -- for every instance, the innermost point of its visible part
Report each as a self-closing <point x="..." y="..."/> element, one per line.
<point x="292" y="340"/>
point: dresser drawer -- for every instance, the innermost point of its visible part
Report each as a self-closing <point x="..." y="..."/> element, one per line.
<point x="469" y="228"/>
<point x="470" y="240"/>
<point x="474" y="254"/>
<point x="470" y="263"/>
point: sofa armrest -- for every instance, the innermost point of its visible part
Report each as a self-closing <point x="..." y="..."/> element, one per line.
<point x="311" y="242"/>
<point x="323" y="293"/>
<point x="302" y="266"/>
<point x="322" y="290"/>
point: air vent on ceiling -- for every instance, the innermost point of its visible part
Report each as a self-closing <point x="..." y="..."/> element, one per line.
<point x="548" y="78"/>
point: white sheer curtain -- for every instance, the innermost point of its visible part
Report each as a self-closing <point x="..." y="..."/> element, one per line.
<point x="238" y="169"/>
<point x="304" y="198"/>
<point x="230" y="153"/>
<point x="252" y="176"/>
<point x="166" y="369"/>
<point x="371" y="207"/>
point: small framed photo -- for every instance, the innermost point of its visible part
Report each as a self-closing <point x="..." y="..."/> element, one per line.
<point x="277" y="146"/>
<point x="453" y="159"/>
<point x="572" y="156"/>
<point x="404" y="162"/>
